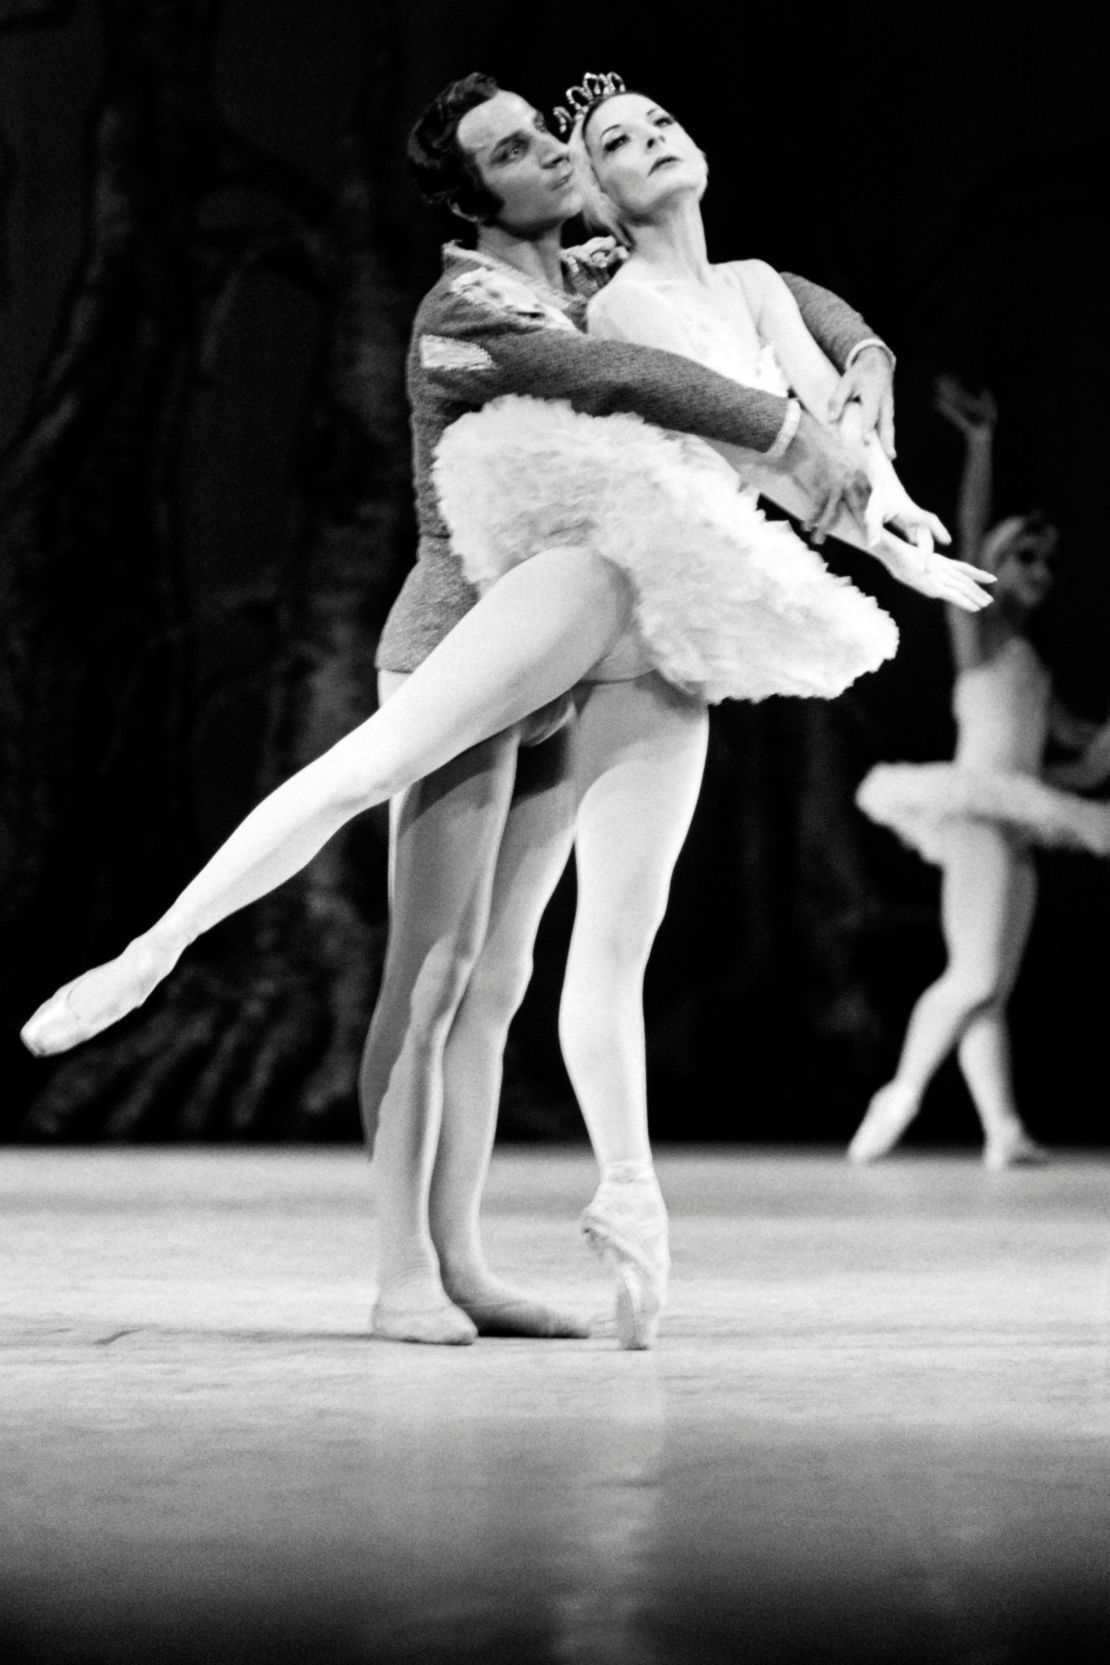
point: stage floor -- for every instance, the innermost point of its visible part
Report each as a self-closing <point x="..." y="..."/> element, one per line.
<point x="877" y="1426"/>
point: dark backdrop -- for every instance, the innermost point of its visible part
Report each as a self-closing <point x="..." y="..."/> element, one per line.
<point x="210" y="255"/>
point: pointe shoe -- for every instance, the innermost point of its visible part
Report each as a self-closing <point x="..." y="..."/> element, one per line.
<point x="1013" y="1150"/>
<point x="438" y="1325"/>
<point x="626" y="1223"/>
<point x="888" y="1115"/>
<point x="94" y="1001"/>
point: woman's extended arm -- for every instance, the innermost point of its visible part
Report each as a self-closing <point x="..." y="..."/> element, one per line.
<point x="813" y="376"/>
<point x="630" y="310"/>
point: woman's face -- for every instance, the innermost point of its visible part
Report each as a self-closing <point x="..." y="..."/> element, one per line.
<point x="641" y="156"/>
<point x="1027" y="571"/>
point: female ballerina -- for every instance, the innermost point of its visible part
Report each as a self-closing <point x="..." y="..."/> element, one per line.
<point x="758" y="613"/>
<point x="980" y="816"/>
<point x="511" y="476"/>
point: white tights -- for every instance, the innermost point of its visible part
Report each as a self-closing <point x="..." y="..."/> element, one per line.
<point x="478" y="848"/>
<point x="636" y="758"/>
<point x="639" y="757"/>
<point x="988" y="893"/>
<point x="535" y="634"/>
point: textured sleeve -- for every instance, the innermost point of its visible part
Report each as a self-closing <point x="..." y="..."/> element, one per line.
<point x="836" y="327"/>
<point x="473" y="354"/>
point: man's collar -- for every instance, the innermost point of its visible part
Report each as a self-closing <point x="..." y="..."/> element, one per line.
<point x="582" y="282"/>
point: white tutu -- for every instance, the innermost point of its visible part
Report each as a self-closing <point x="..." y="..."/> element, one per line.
<point x="920" y="801"/>
<point x="728" y="605"/>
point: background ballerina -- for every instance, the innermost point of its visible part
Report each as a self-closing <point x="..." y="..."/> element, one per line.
<point x="980" y="816"/>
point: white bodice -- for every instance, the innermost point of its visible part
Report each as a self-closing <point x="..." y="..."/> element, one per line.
<point x="743" y="322"/>
<point x="1001" y="709"/>
<point x="712" y="323"/>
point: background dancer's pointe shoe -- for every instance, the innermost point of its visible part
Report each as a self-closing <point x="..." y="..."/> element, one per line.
<point x="626" y="1223"/>
<point x="1013" y="1149"/>
<point x="888" y="1115"/>
<point x="94" y="1001"/>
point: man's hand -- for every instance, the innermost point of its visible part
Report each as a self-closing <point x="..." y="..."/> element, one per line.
<point x="831" y="477"/>
<point x="869" y="380"/>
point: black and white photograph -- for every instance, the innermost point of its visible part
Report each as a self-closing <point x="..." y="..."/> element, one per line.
<point x="554" y="833"/>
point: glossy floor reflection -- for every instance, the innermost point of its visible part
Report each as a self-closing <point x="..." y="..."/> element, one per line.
<point x="877" y="1427"/>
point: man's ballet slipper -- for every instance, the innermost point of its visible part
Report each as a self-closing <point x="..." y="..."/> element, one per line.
<point x="441" y="1325"/>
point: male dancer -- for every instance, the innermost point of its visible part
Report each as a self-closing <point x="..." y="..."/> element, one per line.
<point x="478" y="846"/>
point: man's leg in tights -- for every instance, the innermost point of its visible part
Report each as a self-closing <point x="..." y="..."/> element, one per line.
<point x="468" y="856"/>
<point x="535" y="845"/>
<point x="445" y="834"/>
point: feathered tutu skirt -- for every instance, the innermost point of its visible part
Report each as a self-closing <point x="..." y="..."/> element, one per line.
<point x="922" y="801"/>
<point x="727" y="604"/>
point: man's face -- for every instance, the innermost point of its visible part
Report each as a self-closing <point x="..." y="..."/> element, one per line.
<point x="523" y="164"/>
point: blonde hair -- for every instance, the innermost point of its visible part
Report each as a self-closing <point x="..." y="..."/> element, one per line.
<point x="598" y="210"/>
<point x="1001" y="540"/>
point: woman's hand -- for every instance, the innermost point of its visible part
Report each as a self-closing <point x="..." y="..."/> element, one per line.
<point x="890" y="503"/>
<point x="832" y="476"/>
<point x="937" y="576"/>
<point x="603" y="254"/>
<point x="919" y="526"/>
<point x="1086" y="772"/>
<point x="975" y="414"/>
<point x="1072" y="732"/>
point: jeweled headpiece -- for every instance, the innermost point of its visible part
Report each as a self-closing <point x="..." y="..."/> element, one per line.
<point x="582" y="98"/>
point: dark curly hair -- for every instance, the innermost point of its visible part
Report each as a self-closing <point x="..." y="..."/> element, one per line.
<point x="444" y="173"/>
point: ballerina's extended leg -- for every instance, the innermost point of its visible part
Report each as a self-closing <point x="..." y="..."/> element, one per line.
<point x="530" y="638"/>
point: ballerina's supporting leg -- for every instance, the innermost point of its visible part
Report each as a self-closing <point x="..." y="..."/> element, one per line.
<point x="984" y="1049"/>
<point x="530" y="638"/>
<point x="984" y="879"/>
<point x="640" y="752"/>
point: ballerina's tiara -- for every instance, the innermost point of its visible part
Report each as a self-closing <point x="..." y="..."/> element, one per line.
<point x="582" y="98"/>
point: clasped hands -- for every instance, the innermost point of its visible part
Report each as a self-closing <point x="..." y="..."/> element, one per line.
<point x="898" y="531"/>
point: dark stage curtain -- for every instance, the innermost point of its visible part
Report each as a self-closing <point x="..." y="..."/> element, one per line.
<point x="210" y="256"/>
